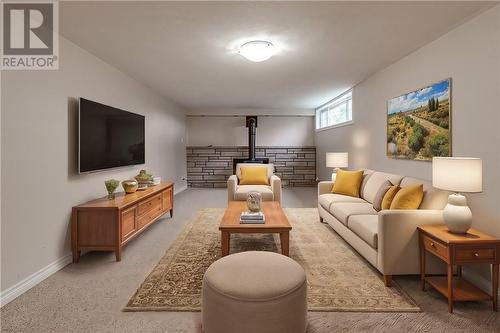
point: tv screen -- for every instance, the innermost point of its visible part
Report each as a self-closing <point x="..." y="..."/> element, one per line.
<point x="109" y="137"/>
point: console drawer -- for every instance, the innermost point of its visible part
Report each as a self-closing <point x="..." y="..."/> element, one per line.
<point x="435" y="247"/>
<point x="153" y="203"/>
<point x="149" y="216"/>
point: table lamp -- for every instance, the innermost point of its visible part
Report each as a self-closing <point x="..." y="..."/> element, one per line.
<point x="457" y="174"/>
<point x="336" y="161"/>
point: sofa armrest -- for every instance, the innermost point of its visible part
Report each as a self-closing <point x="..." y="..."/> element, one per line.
<point x="398" y="249"/>
<point x="232" y="182"/>
<point x="276" y="187"/>
<point x="325" y="187"/>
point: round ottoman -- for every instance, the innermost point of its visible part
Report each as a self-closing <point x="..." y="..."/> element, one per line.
<point x="254" y="292"/>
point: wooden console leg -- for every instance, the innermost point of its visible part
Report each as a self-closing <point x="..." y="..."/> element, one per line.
<point x="74" y="236"/>
<point x="118" y="253"/>
<point x="171" y="213"/>
<point x="387" y="280"/>
<point x="76" y="256"/>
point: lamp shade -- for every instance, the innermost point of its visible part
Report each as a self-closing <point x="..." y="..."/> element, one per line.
<point x="459" y="174"/>
<point x="337" y="160"/>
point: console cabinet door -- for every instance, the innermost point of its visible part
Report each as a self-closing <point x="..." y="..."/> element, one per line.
<point x="167" y="199"/>
<point x="128" y="221"/>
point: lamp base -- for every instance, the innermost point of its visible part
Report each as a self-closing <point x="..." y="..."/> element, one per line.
<point x="334" y="176"/>
<point x="457" y="215"/>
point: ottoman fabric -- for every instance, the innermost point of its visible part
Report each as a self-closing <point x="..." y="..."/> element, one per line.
<point x="254" y="291"/>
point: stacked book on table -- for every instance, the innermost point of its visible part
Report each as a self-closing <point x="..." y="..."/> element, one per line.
<point x="252" y="217"/>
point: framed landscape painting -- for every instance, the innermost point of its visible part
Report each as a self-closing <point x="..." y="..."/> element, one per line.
<point x="419" y="123"/>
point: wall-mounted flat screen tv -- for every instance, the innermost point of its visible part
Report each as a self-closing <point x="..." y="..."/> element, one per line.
<point x="108" y="137"/>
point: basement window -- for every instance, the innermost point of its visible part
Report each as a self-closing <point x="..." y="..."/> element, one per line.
<point x="337" y="112"/>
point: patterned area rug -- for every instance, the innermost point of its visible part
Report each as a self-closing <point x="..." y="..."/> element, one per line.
<point x="338" y="278"/>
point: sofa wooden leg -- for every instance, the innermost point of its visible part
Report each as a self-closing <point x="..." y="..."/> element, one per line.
<point x="387" y="280"/>
<point x="321" y="220"/>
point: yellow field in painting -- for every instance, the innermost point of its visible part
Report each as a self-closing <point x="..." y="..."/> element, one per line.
<point x="420" y="133"/>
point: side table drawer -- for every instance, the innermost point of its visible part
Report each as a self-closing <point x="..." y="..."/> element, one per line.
<point x="478" y="254"/>
<point x="435" y="247"/>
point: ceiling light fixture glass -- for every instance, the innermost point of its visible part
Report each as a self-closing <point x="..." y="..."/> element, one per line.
<point x="257" y="50"/>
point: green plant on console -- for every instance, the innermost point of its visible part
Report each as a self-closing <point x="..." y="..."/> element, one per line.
<point x="111" y="186"/>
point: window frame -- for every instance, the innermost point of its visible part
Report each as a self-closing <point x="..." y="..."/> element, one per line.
<point x="337" y="101"/>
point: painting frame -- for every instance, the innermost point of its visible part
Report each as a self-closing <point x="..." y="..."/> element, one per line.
<point x="449" y="129"/>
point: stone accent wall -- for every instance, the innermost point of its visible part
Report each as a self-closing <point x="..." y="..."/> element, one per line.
<point x="212" y="166"/>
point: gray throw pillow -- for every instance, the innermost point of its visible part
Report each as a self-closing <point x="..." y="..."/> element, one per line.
<point x="377" y="202"/>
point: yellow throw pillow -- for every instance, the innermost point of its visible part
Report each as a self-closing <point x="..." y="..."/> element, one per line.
<point x="254" y="175"/>
<point x="348" y="182"/>
<point x="409" y="197"/>
<point x="389" y="196"/>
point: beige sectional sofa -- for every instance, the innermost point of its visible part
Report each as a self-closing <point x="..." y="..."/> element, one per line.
<point x="387" y="239"/>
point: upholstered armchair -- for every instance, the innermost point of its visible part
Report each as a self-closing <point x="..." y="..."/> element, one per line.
<point x="271" y="192"/>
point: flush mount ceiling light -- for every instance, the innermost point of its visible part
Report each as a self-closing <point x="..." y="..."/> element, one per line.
<point x="257" y="50"/>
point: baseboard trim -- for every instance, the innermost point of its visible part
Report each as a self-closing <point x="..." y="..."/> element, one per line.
<point x="26" y="284"/>
<point x="180" y="189"/>
<point x="11" y="293"/>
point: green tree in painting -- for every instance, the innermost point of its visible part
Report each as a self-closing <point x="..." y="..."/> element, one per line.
<point x="439" y="145"/>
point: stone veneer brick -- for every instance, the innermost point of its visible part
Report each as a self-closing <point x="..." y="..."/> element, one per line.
<point x="211" y="167"/>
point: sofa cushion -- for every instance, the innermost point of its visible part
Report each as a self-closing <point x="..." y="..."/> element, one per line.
<point x="377" y="201"/>
<point x="433" y="198"/>
<point x="348" y="182"/>
<point x="389" y="196"/>
<point x="366" y="175"/>
<point x="366" y="227"/>
<point x="374" y="182"/>
<point x="343" y="210"/>
<point x="408" y="197"/>
<point x="325" y="200"/>
<point x="242" y="190"/>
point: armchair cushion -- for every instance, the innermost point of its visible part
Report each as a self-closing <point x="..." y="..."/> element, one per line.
<point x="270" y="168"/>
<point x="242" y="191"/>
<point x="254" y="175"/>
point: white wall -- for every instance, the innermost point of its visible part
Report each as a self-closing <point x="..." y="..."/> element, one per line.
<point x="232" y="131"/>
<point x="470" y="55"/>
<point x="38" y="167"/>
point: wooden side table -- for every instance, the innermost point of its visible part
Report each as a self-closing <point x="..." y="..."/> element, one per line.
<point x="474" y="247"/>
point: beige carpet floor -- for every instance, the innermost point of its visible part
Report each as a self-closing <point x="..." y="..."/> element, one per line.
<point x="338" y="278"/>
<point x="90" y="296"/>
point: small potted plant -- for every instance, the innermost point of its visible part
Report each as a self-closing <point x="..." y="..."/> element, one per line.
<point x="111" y="186"/>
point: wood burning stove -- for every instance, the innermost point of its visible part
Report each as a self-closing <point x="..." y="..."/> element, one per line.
<point x="251" y="122"/>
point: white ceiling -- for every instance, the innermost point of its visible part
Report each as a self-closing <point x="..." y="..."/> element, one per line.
<point x="186" y="50"/>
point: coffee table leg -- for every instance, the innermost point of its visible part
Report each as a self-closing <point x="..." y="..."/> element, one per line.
<point x="285" y="243"/>
<point x="225" y="238"/>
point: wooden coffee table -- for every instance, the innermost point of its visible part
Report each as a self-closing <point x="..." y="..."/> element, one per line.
<point x="276" y="223"/>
